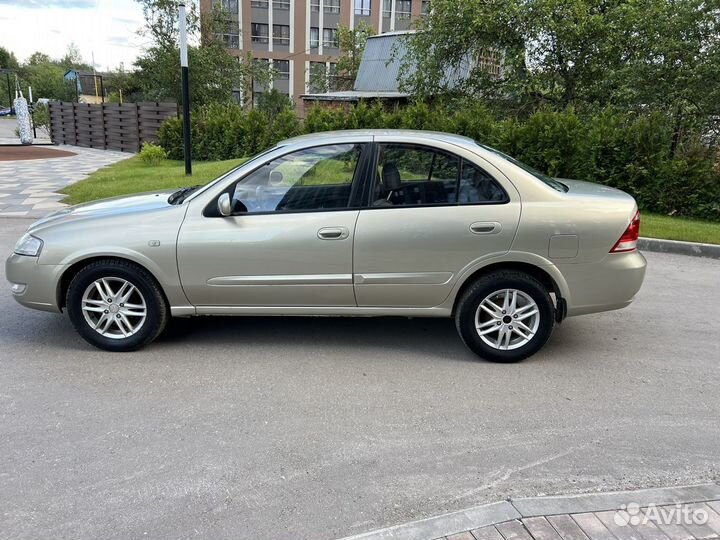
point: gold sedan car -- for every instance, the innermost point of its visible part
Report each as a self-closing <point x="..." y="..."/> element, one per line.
<point x="376" y="222"/>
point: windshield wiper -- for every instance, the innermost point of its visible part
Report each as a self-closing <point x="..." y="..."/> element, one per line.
<point x="180" y="195"/>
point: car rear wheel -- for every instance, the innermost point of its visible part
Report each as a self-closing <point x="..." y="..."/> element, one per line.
<point x="505" y="316"/>
<point x="116" y="305"/>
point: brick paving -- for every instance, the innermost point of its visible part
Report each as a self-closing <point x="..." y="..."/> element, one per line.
<point x="28" y="187"/>
<point x="603" y="526"/>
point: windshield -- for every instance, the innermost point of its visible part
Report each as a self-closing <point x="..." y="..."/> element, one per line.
<point x="200" y="189"/>
<point x="558" y="186"/>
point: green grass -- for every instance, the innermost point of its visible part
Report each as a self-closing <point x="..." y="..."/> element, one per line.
<point x="675" y="228"/>
<point x="134" y="176"/>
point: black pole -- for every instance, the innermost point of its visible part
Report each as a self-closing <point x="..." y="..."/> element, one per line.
<point x="10" y="99"/>
<point x="186" y="120"/>
<point x="187" y="141"/>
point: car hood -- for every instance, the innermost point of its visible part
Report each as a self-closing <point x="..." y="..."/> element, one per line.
<point x="114" y="206"/>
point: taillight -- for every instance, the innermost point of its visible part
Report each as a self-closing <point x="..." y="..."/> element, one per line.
<point x="628" y="241"/>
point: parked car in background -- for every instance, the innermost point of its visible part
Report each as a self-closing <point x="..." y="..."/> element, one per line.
<point x="367" y="223"/>
<point x="6" y="111"/>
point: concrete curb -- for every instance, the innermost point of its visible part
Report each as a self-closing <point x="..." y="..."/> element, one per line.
<point x="695" y="249"/>
<point x="600" y="502"/>
<point x="499" y="512"/>
<point x="436" y="527"/>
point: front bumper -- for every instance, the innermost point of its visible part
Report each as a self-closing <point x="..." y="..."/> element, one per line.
<point x="40" y="280"/>
<point x="604" y="286"/>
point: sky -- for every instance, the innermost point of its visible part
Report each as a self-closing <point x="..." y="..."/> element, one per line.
<point x="107" y="28"/>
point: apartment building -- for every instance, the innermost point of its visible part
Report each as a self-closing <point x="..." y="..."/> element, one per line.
<point x="299" y="36"/>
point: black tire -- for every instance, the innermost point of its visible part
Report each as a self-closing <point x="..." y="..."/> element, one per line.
<point x="488" y="284"/>
<point x="157" y="310"/>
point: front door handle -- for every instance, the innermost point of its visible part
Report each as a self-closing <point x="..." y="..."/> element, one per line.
<point x="485" y="227"/>
<point x="333" y="233"/>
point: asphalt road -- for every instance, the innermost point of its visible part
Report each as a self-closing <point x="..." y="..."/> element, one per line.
<point x="320" y="428"/>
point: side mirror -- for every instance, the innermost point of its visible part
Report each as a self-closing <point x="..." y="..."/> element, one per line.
<point x="224" y="205"/>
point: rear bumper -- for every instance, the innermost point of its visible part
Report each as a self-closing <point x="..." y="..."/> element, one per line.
<point x="604" y="286"/>
<point x="39" y="280"/>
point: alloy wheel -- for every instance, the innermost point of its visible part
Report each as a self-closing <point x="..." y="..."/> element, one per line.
<point x="507" y="319"/>
<point x="114" y="307"/>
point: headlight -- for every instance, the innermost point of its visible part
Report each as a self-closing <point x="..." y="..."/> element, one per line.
<point x="29" y="245"/>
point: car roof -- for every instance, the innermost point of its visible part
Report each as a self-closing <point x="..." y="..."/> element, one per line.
<point x="400" y="133"/>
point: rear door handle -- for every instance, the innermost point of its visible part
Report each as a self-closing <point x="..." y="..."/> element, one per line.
<point x="485" y="227"/>
<point x="333" y="233"/>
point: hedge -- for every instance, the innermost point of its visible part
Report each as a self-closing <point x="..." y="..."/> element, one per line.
<point x="631" y="151"/>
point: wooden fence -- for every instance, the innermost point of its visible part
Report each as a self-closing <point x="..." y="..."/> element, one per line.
<point x="109" y="126"/>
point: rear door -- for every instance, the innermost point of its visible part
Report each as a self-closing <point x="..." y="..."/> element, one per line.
<point x="432" y="210"/>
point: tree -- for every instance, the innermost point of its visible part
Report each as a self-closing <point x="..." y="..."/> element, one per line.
<point x="352" y="46"/>
<point x="161" y="17"/>
<point x="8" y="59"/>
<point x="273" y="103"/>
<point x="214" y="73"/>
<point x="571" y="52"/>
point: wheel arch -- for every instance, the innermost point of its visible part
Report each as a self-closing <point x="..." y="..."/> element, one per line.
<point x="544" y="274"/>
<point x="70" y="272"/>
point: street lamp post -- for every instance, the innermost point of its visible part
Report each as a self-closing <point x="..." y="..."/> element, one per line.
<point x="185" y="91"/>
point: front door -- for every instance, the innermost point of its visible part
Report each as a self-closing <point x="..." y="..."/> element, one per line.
<point x="431" y="214"/>
<point x="288" y="241"/>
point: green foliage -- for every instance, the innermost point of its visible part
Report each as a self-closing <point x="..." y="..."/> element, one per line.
<point x="351" y="43"/>
<point x="646" y="54"/>
<point x="274" y="102"/>
<point x="41" y="116"/>
<point x="226" y="130"/>
<point x="152" y="154"/>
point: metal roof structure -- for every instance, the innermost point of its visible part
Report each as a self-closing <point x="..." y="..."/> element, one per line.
<point x="380" y="71"/>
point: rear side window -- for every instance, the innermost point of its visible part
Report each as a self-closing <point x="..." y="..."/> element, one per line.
<point x="477" y="186"/>
<point x="410" y="175"/>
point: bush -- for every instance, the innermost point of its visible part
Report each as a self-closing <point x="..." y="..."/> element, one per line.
<point x="151" y="154"/>
<point x="633" y="152"/>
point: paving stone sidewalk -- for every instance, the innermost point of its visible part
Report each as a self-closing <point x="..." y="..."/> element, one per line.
<point x="674" y="513"/>
<point x="606" y="525"/>
<point x="28" y="188"/>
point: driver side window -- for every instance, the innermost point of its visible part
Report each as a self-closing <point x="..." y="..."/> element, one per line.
<point x="317" y="178"/>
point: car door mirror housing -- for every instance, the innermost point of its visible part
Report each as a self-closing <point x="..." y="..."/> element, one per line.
<point x="224" y="205"/>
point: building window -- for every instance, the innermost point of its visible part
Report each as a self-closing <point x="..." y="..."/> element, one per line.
<point x="332" y="75"/>
<point x="317" y="78"/>
<point x="259" y="32"/>
<point x="330" y="38"/>
<point x="281" y="34"/>
<point x="228" y="5"/>
<point x="229" y="34"/>
<point x="281" y="4"/>
<point x="259" y="4"/>
<point x="231" y="41"/>
<point x="282" y="68"/>
<point x="315" y="6"/>
<point x="314" y="37"/>
<point x="403" y="8"/>
<point x="425" y="7"/>
<point x="387" y="8"/>
<point x="362" y="7"/>
<point x="332" y="6"/>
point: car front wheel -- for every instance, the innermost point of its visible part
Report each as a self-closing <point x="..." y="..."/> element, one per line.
<point x="505" y="316"/>
<point x="116" y="305"/>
